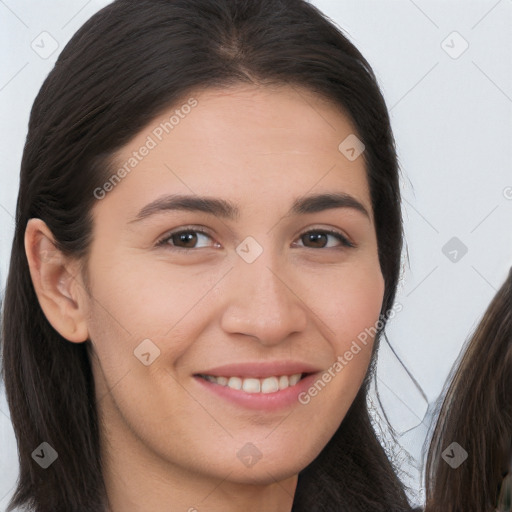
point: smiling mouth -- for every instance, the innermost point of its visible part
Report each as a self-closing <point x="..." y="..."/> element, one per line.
<point x="267" y="385"/>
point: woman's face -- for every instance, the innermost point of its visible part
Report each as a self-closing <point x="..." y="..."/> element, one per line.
<point x="245" y="288"/>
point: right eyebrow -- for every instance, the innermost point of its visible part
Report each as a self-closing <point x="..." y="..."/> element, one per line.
<point x="214" y="206"/>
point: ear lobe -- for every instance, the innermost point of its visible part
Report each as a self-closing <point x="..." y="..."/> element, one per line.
<point x="57" y="283"/>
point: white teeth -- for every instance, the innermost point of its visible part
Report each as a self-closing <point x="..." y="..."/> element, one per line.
<point x="252" y="385"/>
<point x="270" y="385"/>
<point x="283" y="382"/>
<point x="234" y="382"/>
<point x="293" y="379"/>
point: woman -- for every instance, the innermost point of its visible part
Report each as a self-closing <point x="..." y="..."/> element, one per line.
<point x="208" y="218"/>
<point x="469" y="463"/>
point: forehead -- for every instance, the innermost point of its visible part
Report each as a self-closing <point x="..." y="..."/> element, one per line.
<point x="260" y="143"/>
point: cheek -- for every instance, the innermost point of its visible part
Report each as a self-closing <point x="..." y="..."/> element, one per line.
<point x="350" y="305"/>
<point x="135" y="302"/>
<point x="350" y="313"/>
<point x="158" y="290"/>
<point x="149" y="302"/>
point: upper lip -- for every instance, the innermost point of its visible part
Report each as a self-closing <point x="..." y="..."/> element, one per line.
<point x="260" y="369"/>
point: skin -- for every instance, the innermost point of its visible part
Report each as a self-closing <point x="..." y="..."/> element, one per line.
<point x="166" y="441"/>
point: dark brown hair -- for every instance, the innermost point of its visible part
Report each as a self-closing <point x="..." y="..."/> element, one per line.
<point x="128" y="63"/>
<point x="477" y="415"/>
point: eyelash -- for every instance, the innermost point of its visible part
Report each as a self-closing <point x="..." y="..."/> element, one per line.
<point x="345" y="243"/>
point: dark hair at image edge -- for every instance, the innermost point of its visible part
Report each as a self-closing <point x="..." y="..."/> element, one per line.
<point x="477" y="414"/>
<point x="128" y="63"/>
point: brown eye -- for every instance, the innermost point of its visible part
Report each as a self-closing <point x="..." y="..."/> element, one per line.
<point x="187" y="239"/>
<point x="320" y="239"/>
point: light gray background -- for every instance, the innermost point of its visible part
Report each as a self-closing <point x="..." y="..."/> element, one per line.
<point x="451" y="114"/>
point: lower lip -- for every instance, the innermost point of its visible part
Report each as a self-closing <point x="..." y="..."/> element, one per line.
<point x="261" y="401"/>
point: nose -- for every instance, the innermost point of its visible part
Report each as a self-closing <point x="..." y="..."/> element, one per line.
<point x="263" y="303"/>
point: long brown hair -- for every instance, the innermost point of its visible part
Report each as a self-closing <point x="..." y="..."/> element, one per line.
<point x="477" y="415"/>
<point x="130" y="61"/>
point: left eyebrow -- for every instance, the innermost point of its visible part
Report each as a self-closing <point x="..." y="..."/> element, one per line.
<point x="228" y="210"/>
<point x="320" y="202"/>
